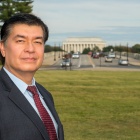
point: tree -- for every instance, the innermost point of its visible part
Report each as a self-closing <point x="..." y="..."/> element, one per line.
<point x="48" y="48"/>
<point x="96" y="49"/>
<point x="86" y="50"/>
<point x="10" y="7"/>
<point x="108" y="48"/>
<point x="136" y="48"/>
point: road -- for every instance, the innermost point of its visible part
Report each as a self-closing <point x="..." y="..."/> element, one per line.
<point x="87" y="62"/>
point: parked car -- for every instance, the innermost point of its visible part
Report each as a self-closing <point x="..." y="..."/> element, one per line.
<point x="75" y="56"/>
<point x="108" y="59"/>
<point x="66" y="63"/>
<point x="95" y="56"/>
<point x="123" y="62"/>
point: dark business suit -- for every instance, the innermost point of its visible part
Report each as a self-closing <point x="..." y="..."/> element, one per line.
<point x="18" y="120"/>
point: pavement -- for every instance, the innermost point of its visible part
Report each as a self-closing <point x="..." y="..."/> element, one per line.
<point x="132" y="61"/>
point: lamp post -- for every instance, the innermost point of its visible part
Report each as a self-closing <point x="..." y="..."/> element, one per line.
<point x="115" y="50"/>
<point x="70" y="57"/>
<point x="100" y="60"/>
<point x="59" y="51"/>
<point x="127" y="51"/>
<point x="63" y="52"/>
<point x="120" y="51"/>
<point x="54" y="53"/>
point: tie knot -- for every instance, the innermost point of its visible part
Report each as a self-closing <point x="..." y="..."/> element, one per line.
<point x="32" y="89"/>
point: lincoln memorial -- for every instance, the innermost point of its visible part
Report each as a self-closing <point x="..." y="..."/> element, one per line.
<point x="79" y="44"/>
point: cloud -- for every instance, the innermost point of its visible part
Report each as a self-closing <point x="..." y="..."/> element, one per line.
<point x="111" y="20"/>
<point x="110" y="34"/>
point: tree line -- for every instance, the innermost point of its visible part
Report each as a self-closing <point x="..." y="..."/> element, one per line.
<point x="120" y="48"/>
<point x="49" y="48"/>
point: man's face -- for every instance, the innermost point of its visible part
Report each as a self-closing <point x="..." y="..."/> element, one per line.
<point x="24" y="49"/>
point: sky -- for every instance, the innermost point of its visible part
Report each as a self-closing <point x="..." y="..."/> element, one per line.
<point x="117" y="22"/>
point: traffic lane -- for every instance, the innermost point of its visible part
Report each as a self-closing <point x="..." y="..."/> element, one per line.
<point x="85" y="61"/>
<point x="74" y="62"/>
<point x="101" y="62"/>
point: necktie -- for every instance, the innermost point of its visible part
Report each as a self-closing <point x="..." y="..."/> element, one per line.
<point x="43" y="113"/>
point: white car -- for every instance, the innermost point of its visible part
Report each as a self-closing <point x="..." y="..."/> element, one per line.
<point x="66" y="63"/>
<point x="123" y="62"/>
<point x="108" y="59"/>
<point x="75" y="56"/>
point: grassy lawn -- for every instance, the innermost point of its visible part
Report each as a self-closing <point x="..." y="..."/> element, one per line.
<point x="96" y="105"/>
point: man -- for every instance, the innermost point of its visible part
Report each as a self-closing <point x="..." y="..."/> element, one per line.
<point x="22" y="112"/>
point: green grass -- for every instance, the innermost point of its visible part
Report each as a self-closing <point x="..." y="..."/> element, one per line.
<point x="96" y="105"/>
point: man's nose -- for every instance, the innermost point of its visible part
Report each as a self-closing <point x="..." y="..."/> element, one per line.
<point x="30" y="47"/>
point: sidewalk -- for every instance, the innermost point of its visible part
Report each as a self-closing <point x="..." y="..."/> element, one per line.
<point x="132" y="61"/>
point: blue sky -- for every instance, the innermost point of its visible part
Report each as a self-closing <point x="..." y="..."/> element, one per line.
<point x="115" y="21"/>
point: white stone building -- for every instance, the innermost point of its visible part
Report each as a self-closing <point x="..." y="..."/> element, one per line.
<point x="79" y="44"/>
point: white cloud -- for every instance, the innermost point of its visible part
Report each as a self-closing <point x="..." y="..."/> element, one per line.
<point x="75" y="16"/>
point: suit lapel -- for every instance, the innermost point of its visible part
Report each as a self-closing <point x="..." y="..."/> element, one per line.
<point x="21" y="102"/>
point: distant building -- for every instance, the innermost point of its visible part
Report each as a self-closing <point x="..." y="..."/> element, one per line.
<point x="79" y="44"/>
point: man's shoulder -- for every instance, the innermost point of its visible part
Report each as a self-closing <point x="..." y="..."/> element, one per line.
<point x="5" y="82"/>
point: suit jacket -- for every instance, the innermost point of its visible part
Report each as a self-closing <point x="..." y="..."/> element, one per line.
<point x="18" y="120"/>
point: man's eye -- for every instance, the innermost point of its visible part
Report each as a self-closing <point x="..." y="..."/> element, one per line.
<point x="38" y="42"/>
<point x="20" y="41"/>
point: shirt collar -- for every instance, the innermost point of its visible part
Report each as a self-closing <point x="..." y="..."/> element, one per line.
<point x="22" y="86"/>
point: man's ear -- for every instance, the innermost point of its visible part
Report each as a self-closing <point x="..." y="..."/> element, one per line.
<point x="2" y="49"/>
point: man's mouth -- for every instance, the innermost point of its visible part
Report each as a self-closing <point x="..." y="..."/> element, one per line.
<point x="32" y="59"/>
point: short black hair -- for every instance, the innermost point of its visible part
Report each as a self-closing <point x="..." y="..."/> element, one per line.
<point x="22" y="18"/>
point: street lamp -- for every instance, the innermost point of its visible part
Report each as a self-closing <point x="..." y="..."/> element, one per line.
<point x="100" y="60"/>
<point x="70" y="57"/>
<point x="59" y="51"/>
<point x="115" y="50"/>
<point x="54" y="53"/>
<point x="120" y="51"/>
<point x="127" y="51"/>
